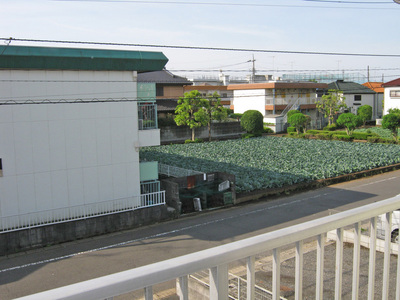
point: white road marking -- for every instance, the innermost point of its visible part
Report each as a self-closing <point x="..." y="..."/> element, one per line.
<point x="179" y="230"/>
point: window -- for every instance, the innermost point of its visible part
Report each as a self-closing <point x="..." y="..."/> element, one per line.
<point x="395" y="93"/>
<point x="159" y="90"/>
<point x="357" y="97"/>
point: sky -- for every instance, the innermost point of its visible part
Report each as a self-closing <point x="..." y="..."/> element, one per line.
<point x="262" y="29"/>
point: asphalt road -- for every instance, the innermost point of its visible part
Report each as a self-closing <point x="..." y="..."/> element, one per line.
<point x="34" y="271"/>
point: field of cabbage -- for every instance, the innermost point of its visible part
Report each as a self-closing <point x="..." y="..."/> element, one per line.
<point x="271" y="162"/>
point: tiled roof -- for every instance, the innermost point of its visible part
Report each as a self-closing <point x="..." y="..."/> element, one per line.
<point x="395" y="82"/>
<point x="348" y="87"/>
<point x="375" y="86"/>
<point x="163" y="77"/>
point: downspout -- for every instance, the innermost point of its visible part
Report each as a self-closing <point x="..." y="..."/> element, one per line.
<point x="273" y="101"/>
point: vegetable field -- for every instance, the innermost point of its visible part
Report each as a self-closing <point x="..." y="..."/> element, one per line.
<point x="271" y="162"/>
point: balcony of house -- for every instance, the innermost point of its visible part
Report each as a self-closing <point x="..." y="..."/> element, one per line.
<point x="237" y="270"/>
<point x="149" y="133"/>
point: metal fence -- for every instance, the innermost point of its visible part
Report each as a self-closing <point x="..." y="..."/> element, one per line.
<point x="147" y="115"/>
<point x="79" y="212"/>
<point x="176" y="171"/>
<point x="217" y="259"/>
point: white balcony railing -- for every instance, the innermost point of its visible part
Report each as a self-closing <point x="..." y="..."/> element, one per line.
<point x="79" y="212"/>
<point x="216" y="260"/>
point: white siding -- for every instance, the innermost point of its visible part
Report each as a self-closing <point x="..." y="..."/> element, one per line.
<point x="244" y="100"/>
<point x="67" y="154"/>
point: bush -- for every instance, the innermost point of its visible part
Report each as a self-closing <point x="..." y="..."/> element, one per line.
<point x="314" y="131"/>
<point x="332" y="127"/>
<point x="252" y="121"/>
<point x="194" y="142"/>
<point x="268" y="130"/>
<point x="291" y="129"/>
<point x="341" y="137"/>
<point x="338" y="132"/>
<point x="292" y="112"/>
<point x="250" y="135"/>
<point x="323" y="136"/>
<point x="361" y="135"/>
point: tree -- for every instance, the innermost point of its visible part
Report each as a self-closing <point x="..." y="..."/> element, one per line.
<point x="212" y="109"/>
<point x="292" y="112"/>
<point x="391" y="122"/>
<point x="298" y="120"/>
<point x="331" y="104"/>
<point x="365" y="113"/>
<point x="350" y="121"/>
<point x="188" y="111"/>
<point x="252" y="121"/>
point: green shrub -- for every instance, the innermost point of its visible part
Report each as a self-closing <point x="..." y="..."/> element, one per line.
<point x="252" y="121"/>
<point x="373" y="139"/>
<point x="332" y="127"/>
<point x="360" y="135"/>
<point x="292" y="112"/>
<point x="314" y="131"/>
<point x="268" y="130"/>
<point x="250" y="135"/>
<point x="343" y="137"/>
<point x="338" y="132"/>
<point x="194" y="142"/>
<point x="291" y="129"/>
<point x="323" y="136"/>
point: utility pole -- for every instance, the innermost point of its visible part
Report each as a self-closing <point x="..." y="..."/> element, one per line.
<point x="253" y="71"/>
<point x="367" y="73"/>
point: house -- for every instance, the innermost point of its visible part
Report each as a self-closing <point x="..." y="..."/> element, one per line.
<point x="168" y="89"/>
<point x="356" y="95"/>
<point x="71" y="126"/>
<point x="275" y="99"/>
<point x="392" y="95"/>
<point x="207" y="89"/>
<point x="378" y="101"/>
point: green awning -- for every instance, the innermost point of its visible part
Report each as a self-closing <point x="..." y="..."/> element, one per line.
<point x="45" y="58"/>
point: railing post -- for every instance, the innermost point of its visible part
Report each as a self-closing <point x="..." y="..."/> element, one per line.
<point x="219" y="282"/>
<point x="148" y="293"/>
<point x="251" y="277"/>
<point x="386" y="259"/>
<point x="372" y="256"/>
<point x="276" y="274"/>
<point x="319" y="289"/>
<point x="356" y="260"/>
<point x="299" y="271"/>
<point x="182" y="287"/>
<point x="339" y="264"/>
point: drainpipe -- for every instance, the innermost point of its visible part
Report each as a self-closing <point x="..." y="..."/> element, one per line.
<point x="273" y="100"/>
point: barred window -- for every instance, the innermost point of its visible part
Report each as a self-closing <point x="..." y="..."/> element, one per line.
<point x="395" y="94"/>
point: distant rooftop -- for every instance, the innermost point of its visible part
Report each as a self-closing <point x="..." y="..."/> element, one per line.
<point x="45" y="58"/>
<point x="348" y="87"/>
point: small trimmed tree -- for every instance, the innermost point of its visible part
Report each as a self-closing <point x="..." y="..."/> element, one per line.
<point x="298" y="120"/>
<point x="350" y="121"/>
<point x="252" y="121"/>
<point x="365" y="113"/>
<point x="392" y="122"/>
<point x="331" y="104"/>
<point x="292" y="112"/>
<point x="188" y="111"/>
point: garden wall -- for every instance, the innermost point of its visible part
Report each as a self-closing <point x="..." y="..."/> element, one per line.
<point x="219" y="131"/>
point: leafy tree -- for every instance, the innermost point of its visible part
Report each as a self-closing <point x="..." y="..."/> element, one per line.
<point x="365" y="113"/>
<point x="391" y="122"/>
<point x="331" y="104"/>
<point x="188" y="111"/>
<point x="252" y="121"/>
<point x="350" y="121"/>
<point x="212" y="109"/>
<point x="298" y="120"/>
<point x="292" y="112"/>
<point x="394" y="111"/>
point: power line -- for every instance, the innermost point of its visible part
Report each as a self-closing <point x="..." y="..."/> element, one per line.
<point x="240" y="4"/>
<point x="200" y="48"/>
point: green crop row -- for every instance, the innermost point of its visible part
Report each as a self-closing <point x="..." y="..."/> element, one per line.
<point x="271" y="162"/>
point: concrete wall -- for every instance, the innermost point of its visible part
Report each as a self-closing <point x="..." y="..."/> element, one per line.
<point x="23" y="240"/>
<point x="63" y="155"/>
<point x="218" y="131"/>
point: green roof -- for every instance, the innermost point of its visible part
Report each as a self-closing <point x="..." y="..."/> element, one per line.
<point x="348" y="87"/>
<point x="45" y="58"/>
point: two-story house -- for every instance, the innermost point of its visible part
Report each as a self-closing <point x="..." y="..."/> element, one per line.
<point x="392" y="95"/>
<point x="275" y="99"/>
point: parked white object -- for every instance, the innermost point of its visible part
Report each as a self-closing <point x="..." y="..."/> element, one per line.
<point x="394" y="227"/>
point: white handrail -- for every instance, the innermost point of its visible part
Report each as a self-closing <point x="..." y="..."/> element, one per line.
<point x="147" y="276"/>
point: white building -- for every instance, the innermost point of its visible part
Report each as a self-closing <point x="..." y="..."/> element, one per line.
<point x="70" y="133"/>
<point x="275" y="99"/>
<point x="391" y="95"/>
